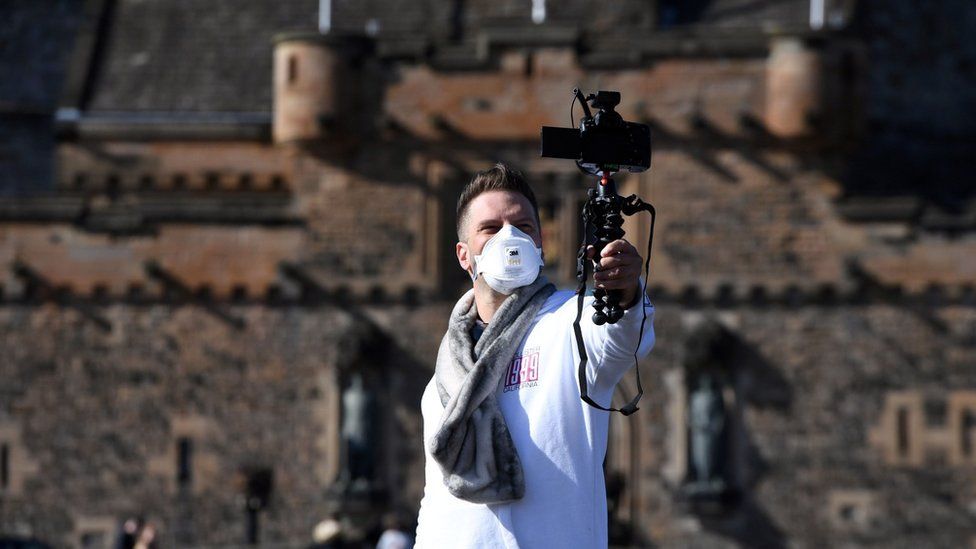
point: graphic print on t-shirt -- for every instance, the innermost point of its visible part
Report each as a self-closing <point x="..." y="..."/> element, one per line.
<point x="524" y="371"/>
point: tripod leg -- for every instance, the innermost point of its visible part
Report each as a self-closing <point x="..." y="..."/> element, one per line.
<point x="600" y="313"/>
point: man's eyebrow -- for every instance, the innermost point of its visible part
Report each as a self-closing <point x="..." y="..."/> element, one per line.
<point x="487" y="224"/>
<point x="517" y="221"/>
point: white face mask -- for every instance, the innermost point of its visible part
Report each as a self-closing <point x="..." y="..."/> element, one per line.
<point x="509" y="260"/>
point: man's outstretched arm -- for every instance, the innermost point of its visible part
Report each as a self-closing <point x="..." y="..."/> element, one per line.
<point x="611" y="347"/>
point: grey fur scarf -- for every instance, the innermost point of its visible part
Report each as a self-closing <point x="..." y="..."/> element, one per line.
<point x="473" y="446"/>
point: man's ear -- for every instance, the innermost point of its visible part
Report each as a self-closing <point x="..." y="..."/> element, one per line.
<point x="463" y="256"/>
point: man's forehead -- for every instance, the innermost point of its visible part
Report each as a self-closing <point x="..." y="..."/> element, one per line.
<point x="495" y="204"/>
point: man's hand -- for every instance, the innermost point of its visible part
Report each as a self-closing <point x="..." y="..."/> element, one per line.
<point x="620" y="269"/>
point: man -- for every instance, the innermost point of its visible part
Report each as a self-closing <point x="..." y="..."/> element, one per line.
<point x="514" y="457"/>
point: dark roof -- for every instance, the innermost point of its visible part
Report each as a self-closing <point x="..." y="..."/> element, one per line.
<point x="26" y="154"/>
<point x="621" y="16"/>
<point x="765" y="14"/>
<point x="194" y="56"/>
<point x="216" y="55"/>
<point x="35" y="38"/>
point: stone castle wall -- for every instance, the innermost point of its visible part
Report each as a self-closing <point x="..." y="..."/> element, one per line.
<point x="183" y="312"/>
<point x="100" y="417"/>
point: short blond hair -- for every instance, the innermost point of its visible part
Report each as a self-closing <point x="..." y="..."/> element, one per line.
<point x="500" y="177"/>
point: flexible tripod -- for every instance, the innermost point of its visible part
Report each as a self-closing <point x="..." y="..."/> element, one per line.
<point x="602" y="224"/>
<point x="603" y="218"/>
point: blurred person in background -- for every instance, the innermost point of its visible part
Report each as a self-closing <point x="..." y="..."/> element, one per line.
<point x="146" y="539"/>
<point x="393" y="536"/>
<point x="327" y="535"/>
<point x="128" y="531"/>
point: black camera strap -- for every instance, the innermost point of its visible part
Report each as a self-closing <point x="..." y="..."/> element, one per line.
<point x="632" y="205"/>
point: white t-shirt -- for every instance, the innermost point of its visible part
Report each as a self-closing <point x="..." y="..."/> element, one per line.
<point x="560" y="439"/>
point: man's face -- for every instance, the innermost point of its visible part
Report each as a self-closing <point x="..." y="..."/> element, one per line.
<point x="487" y="214"/>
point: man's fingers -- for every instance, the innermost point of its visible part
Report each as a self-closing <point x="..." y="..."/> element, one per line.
<point x="625" y="271"/>
<point x="617" y="247"/>
<point x="617" y="273"/>
<point x="618" y="253"/>
<point x="618" y="270"/>
<point x="617" y="284"/>
<point x="618" y="261"/>
<point x="619" y="266"/>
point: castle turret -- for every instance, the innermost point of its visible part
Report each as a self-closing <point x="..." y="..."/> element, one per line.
<point x="308" y="71"/>
<point x="794" y="87"/>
